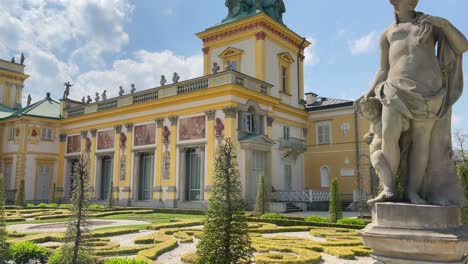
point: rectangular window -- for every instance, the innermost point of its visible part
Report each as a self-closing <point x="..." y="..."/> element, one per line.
<point x="7" y="175"/>
<point x="249" y="122"/>
<point x="284" y="79"/>
<point x="11" y="133"/>
<point x="46" y="134"/>
<point x="288" y="177"/>
<point x="286" y="132"/>
<point x="323" y="132"/>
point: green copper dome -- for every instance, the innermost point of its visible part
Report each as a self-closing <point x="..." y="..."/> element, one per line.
<point x="239" y="9"/>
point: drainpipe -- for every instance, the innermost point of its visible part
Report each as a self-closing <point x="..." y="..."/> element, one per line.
<point x="358" y="167"/>
<point x="298" y="74"/>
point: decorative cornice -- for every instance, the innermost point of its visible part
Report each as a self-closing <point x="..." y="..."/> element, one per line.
<point x="260" y="35"/>
<point x="301" y="57"/>
<point x="129" y="126"/>
<point x="206" y="50"/>
<point x="250" y="27"/>
<point x="270" y="121"/>
<point x="211" y="114"/>
<point x="63" y="137"/>
<point x="173" y="120"/>
<point x="159" y="122"/>
<point x="12" y="77"/>
<point x="230" y="112"/>
<point x="118" y="129"/>
<point x="93" y="132"/>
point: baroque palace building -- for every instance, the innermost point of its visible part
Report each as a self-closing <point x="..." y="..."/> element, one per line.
<point x="156" y="147"/>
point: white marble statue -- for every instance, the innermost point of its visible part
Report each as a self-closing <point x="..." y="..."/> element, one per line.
<point x="417" y="86"/>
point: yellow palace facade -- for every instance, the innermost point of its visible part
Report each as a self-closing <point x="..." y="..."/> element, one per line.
<point x="156" y="147"/>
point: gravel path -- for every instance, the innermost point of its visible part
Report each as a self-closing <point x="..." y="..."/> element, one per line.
<point x="128" y="240"/>
<point x="61" y="227"/>
<point x="173" y="257"/>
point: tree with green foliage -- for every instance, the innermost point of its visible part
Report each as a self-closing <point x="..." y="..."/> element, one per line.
<point x="463" y="174"/>
<point x="3" y="233"/>
<point x="73" y="249"/>
<point x="334" y="210"/>
<point x="20" y="194"/>
<point x="261" y="202"/>
<point x="110" y="196"/>
<point x="225" y="238"/>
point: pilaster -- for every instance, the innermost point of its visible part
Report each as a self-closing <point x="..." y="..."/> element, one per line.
<point x="260" y="55"/>
<point x="171" y="184"/>
<point x="128" y="168"/>
<point x="92" y="162"/>
<point x="116" y="167"/>
<point x="270" y="121"/>
<point x="230" y="123"/>
<point x="206" y="61"/>
<point x="210" y="149"/>
<point x="61" y="166"/>
<point x="157" y="182"/>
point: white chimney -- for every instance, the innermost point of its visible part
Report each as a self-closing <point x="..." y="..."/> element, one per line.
<point x="311" y="98"/>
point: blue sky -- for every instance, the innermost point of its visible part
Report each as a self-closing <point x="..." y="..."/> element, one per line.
<point x="99" y="44"/>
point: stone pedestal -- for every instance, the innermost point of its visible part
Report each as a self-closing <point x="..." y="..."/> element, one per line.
<point x="416" y="234"/>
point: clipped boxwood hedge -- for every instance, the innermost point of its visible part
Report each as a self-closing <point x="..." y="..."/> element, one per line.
<point x="289" y="222"/>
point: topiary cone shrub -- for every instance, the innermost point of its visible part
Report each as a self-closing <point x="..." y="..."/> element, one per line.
<point x="261" y="203"/>
<point x="3" y="233"/>
<point x="20" y="195"/>
<point x="334" y="210"/>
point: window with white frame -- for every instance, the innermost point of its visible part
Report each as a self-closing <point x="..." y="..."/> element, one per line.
<point x="11" y="133"/>
<point x="323" y="132"/>
<point x="46" y="134"/>
<point x="286" y="131"/>
<point x="249" y="122"/>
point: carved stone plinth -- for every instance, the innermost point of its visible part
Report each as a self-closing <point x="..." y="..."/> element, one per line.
<point x="416" y="234"/>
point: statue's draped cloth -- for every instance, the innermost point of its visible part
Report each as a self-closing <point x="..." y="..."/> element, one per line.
<point x="415" y="100"/>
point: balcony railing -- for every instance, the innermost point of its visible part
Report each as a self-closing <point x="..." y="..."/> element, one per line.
<point x="293" y="144"/>
<point x="197" y="84"/>
<point x="302" y="196"/>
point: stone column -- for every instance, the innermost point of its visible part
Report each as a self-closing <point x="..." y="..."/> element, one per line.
<point x="210" y="149"/>
<point x="61" y="166"/>
<point x="230" y="123"/>
<point x="157" y="181"/>
<point x="260" y="55"/>
<point x="92" y="164"/>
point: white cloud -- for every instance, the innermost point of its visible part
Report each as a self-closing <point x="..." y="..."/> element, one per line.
<point x="310" y="53"/>
<point x="144" y="69"/>
<point x="457" y="120"/>
<point x="58" y="37"/>
<point x="364" y="44"/>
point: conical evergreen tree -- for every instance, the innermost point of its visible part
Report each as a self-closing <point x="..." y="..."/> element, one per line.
<point x="20" y="195"/>
<point x="261" y="201"/>
<point x="3" y="232"/>
<point x="225" y="237"/>
<point x="334" y="210"/>
<point x="73" y="251"/>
